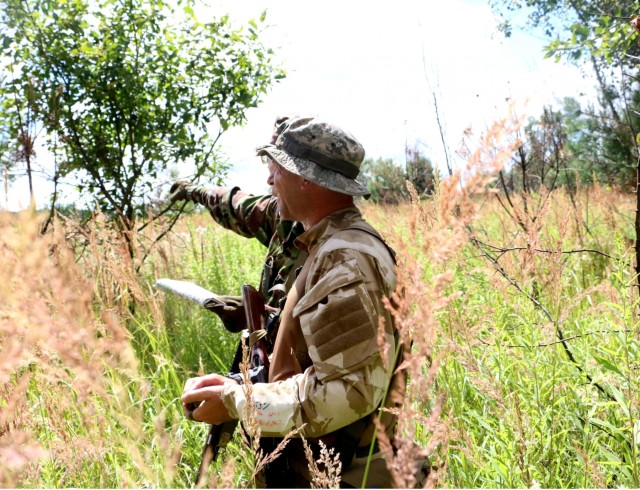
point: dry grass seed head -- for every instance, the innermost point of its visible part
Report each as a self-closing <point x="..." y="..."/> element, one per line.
<point x="249" y="417"/>
<point x="591" y="468"/>
<point x="226" y="477"/>
<point x="75" y="362"/>
<point x="49" y="344"/>
<point x="416" y="303"/>
<point x="326" y="471"/>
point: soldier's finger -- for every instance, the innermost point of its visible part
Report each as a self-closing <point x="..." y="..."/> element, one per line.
<point x="189" y="384"/>
<point x="195" y="395"/>
<point x="212" y="410"/>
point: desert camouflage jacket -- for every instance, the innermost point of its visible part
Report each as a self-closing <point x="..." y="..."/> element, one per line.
<point x="327" y="369"/>
<point x="256" y="217"/>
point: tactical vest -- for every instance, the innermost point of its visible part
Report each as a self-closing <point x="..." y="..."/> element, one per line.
<point x="291" y="357"/>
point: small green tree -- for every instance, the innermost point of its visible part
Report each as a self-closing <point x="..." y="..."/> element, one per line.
<point x="125" y="89"/>
<point x="597" y="147"/>
<point x="419" y="171"/>
<point x="386" y="180"/>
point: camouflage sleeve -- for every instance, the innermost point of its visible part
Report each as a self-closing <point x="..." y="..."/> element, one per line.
<point x="321" y="407"/>
<point x="245" y="214"/>
<point x="339" y="318"/>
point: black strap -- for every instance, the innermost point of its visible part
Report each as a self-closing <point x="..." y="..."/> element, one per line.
<point x="294" y="148"/>
<point x="348" y="439"/>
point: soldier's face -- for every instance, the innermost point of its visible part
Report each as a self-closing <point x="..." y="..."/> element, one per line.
<point x="286" y="187"/>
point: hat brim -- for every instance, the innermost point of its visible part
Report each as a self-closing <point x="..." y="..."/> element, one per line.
<point x="314" y="172"/>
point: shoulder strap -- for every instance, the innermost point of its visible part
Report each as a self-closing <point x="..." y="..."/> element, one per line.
<point x="367" y="228"/>
<point x="334" y="244"/>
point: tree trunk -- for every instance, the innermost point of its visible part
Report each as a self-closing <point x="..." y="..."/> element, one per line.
<point x="32" y="198"/>
<point x="54" y="198"/>
<point x="637" y="226"/>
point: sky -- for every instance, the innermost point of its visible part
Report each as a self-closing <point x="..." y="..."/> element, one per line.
<point x="376" y="69"/>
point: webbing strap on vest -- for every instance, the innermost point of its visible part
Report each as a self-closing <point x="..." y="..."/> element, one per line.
<point x="329" y="246"/>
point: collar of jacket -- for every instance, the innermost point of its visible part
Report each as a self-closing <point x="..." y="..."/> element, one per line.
<point x="327" y="226"/>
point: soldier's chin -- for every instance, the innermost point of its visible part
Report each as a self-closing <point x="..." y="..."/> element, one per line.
<point x="282" y="210"/>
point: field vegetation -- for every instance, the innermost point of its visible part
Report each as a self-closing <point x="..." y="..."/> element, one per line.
<point x="518" y="277"/>
<point x="523" y="323"/>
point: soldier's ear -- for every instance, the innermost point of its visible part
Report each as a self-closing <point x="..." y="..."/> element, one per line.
<point x="307" y="184"/>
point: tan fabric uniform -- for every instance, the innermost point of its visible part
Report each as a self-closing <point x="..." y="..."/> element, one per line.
<point x="326" y="370"/>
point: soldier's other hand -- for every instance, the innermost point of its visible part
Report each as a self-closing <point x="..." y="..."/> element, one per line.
<point x="230" y="310"/>
<point x="179" y="191"/>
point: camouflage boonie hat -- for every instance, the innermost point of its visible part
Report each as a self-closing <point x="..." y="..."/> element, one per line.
<point x="320" y="152"/>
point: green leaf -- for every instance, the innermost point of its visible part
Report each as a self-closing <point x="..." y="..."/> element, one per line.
<point x="607" y="364"/>
<point x="607" y="425"/>
<point x="621" y="399"/>
<point x="583" y="31"/>
<point x="6" y="42"/>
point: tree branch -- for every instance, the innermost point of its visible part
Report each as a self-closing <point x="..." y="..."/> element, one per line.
<point x="540" y="306"/>
<point x="504" y="250"/>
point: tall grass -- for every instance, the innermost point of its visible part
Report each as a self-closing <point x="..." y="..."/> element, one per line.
<point x="94" y="358"/>
<point x="543" y="378"/>
<point x="523" y="371"/>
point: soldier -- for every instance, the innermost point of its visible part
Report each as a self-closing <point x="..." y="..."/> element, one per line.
<point x="252" y="217"/>
<point x="327" y="373"/>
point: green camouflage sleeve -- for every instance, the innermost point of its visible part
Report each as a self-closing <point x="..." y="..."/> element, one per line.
<point x="248" y="215"/>
<point x="256" y="217"/>
<point x="339" y="318"/>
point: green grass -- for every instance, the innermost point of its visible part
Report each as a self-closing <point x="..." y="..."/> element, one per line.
<point x="523" y="412"/>
<point x="519" y="411"/>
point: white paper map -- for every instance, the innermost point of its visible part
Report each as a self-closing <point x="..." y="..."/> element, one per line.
<point x="188" y="290"/>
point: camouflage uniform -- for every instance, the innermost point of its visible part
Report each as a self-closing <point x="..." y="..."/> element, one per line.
<point x="255" y="217"/>
<point x="327" y="371"/>
<point x="327" y="374"/>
